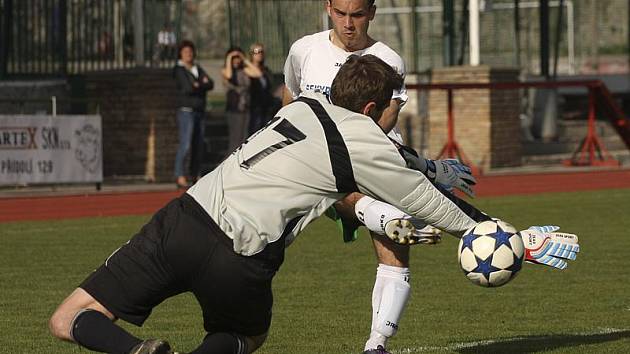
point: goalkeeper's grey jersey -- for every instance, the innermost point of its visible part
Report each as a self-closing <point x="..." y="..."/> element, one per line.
<point x="309" y="156"/>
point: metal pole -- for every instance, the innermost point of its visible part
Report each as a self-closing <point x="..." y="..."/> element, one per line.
<point x="463" y="33"/>
<point x="414" y="35"/>
<point x="473" y="15"/>
<point x="448" y="31"/>
<point x="571" y="37"/>
<point x="138" y="31"/>
<point x="118" y="35"/>
<point x="517" y="34"/>
<point x="556" y="44"/>
<point x="63" y="36"/>
<point x="5" y="41"/>
<point x="544" y="38"/>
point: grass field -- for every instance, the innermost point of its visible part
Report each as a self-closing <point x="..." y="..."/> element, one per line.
<point x="322" y="292"/>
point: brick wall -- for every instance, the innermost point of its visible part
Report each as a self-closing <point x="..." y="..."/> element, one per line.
<point x="139" y="126"/>
<point x="487" y="127"/>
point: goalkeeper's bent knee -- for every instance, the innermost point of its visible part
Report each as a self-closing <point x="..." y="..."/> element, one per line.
<point x="395" y="291"/>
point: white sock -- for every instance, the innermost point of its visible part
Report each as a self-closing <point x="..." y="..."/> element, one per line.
<point x="374" y="214"/>
<point x="389" y="297"/>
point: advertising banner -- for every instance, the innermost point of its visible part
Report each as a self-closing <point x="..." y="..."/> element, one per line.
<point x="47" y="149"/>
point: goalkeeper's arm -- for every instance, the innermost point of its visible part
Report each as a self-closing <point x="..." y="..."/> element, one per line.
<point x="447" y="174"/>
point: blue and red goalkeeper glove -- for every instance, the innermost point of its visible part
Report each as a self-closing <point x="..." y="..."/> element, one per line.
<point x="543" y="245"/>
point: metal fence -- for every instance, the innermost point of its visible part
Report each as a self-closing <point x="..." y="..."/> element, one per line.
<point x="58" y="37"/>
<point x="592" y="36"/>
<point x="276" y="24"/>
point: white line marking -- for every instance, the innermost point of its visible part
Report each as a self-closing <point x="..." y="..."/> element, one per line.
<point x="464" y="345"/>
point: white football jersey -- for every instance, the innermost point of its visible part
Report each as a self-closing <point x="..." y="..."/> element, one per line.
<point x="309" y="156"/>
<point x="313" y="63"/>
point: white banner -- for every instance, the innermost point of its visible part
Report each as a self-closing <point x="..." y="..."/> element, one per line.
<point x="46" y="149"/>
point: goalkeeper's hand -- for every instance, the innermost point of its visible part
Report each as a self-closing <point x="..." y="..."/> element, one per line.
<point x="545" y="246"/>
<point x="450" y="173"/>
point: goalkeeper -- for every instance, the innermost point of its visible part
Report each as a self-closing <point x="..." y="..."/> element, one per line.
<point x="225" y="238"/>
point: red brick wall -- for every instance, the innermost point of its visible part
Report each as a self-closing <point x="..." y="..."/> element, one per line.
<point x="487" y="126"/>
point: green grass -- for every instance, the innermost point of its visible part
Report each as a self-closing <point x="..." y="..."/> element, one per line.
<point x="322" y="292"/>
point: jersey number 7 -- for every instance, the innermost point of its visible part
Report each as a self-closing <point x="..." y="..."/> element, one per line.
<point x="288" y="130"/>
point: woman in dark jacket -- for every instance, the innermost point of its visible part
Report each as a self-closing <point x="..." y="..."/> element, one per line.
<point x="262" y="100"/>
<point x="192" y="84"/>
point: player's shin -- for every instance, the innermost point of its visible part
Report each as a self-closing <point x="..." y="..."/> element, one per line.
<point x="389" y="297"/>
<point x="93" y="330"/>
<point x="223" y="343"/>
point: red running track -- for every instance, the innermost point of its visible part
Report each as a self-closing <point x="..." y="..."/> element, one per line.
<point x="141" y="203"/>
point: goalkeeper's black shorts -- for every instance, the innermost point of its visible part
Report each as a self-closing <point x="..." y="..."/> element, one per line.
<point x="182" y="249"/>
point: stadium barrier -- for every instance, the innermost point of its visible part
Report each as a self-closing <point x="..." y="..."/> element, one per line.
<point x="591" y="151"/>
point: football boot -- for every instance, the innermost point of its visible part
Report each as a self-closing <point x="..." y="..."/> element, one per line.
<point x="152" y="346"/>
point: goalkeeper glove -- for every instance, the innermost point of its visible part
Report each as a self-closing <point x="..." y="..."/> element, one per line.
<point x="450" y="173"/>
<point x="545" y="246"/>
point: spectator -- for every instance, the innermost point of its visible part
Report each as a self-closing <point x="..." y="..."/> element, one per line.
<point x="238" y="73"/>
<point x="105" y="46"/>
<point x="192" y="84"/>
<point x="261" y="96"/>
<point x="166" y="42"/>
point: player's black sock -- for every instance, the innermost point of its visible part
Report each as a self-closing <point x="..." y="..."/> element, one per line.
<point x="222" y="343"/>
<point x="93" y="330"/>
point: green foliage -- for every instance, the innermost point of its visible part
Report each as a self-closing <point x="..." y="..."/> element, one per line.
<point x="323" y="291"/>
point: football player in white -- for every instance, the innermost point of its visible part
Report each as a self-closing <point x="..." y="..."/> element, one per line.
<point x="311" y="65"/>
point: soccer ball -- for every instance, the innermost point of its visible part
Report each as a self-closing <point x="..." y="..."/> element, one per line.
<point x="491" y="253"/>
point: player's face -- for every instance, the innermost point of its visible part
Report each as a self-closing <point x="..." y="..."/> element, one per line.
<point x="350" y="19"/>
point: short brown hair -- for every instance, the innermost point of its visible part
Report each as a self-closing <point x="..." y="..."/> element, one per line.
<point x="364" y="79"/>
<point x="183" y="44"/>
<point x="369" y="2"/>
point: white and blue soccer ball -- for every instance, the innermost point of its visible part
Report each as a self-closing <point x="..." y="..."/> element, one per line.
<point x="491" y="253"/>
